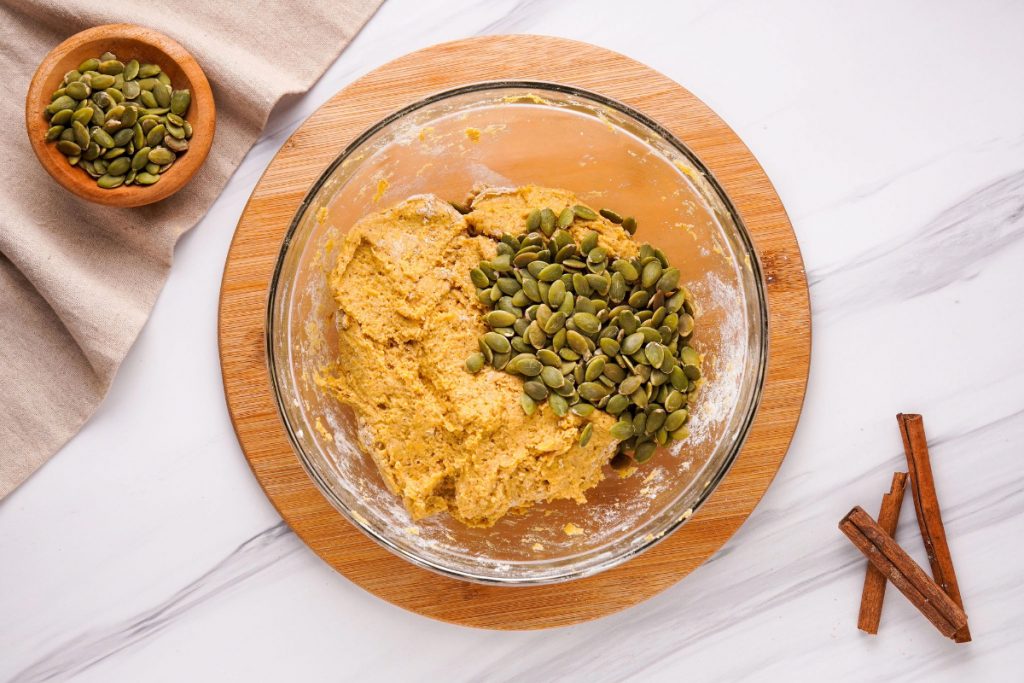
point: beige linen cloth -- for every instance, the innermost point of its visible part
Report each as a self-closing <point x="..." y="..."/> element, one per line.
<point x="78" y="280"/>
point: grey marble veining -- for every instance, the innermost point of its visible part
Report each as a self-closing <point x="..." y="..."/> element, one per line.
<point x="894" y="133"/>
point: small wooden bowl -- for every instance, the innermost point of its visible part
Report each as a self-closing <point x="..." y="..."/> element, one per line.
<point x="127" y="41"/>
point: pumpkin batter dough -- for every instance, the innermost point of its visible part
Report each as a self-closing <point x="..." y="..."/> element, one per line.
<point x="408" y="317"/>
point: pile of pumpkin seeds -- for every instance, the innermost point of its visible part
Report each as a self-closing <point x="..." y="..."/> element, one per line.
<point x="588" y="331"/>
<point x="122" y="123"/>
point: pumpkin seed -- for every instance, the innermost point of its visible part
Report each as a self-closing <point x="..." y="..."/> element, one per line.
<point x="525" y="364"/>
<point x="551" y="376"/>
<point x="566" y="217"/>
<point x="89" y="65"/>
<point x="131" y="70"/>
<point x="547" y="221"/>
<point x="587" y="323"/>
<point x="101" y="81"/>
<point x="629" y="385"/>
<point x="528" y="405"/>
<point x="78" y="90"/>
<point x="533" y="221"/>
<point x="146" y="178"/>
<point x="161" y="155"/>
<point x="585" y="434"/>
<point x="495" y="341"/>
<point x="110" y="67"/>
<point x="622" y="430"/>
<point x="109" y="182"/>
<point x="644" y="451"/>
<point x="68" y="148"/>
<point x="584" y="212"/>
<point x="162" y="94"/>
<point x="148" y="70"/>
<point x="629" y="225"/>
<point x="611" y="215"/>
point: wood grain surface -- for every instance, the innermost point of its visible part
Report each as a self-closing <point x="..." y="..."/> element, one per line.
<point x="255" y="247"/>
<point x="127" y="41"/>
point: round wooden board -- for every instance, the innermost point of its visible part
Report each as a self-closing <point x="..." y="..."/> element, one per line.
<point x="255" y="248"/>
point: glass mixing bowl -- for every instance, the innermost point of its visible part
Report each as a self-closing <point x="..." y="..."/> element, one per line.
<point x="510" y="134"/>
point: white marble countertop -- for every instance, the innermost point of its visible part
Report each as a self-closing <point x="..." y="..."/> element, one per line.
<point x="894" y="133"/>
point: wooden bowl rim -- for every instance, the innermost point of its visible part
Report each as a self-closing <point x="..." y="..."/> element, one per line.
<point x="203" y="115"/>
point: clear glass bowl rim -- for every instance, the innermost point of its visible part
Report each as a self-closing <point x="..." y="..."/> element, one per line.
<point x="673" y="141"/>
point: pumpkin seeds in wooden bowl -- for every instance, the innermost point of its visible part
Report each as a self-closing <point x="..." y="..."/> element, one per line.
<point x="126" y="113"/>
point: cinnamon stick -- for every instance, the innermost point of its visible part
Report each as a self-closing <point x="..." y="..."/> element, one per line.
<point x="929" y="516"/>
<point x="874" y="580"/>
<point x="899" y="568"/>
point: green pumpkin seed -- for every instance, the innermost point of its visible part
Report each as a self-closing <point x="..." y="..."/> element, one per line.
<point x="528" y="405"/>
<point x="53" y="133"/>
<point x="156" y="136"/>
<point x="616" y="404"/>
<point x="148" y="70"/>
<point x="566" y="217"/>
<point x="621" y="430"/>
<point x="89" y="65"/>
<point x="525" y="364"/>
<point x="161" y="155"/>
<point x="61" y="103"/>
<point x="629" y="225"/>
<point x="131" y="70"/>
<point x="148" y="99"/>
<point x="559" y="406"/>
<point x="651" y="273"/>
<point x="81" y="135"/>
<point x="655" y="353"/>
<point x="123" y="137"/>
<point x="478" y="278"/>
<point x="163" y="78"/>
<point x="495" y="341"/>
<point x="669" y="280"/>
<point x="582" y="409"/>
<point x="64" y="117"/>
<point x="550" y="273"/>
<point x="552" y="377"/>
<point x="78" y="90"/>
<point x="68" y="148"/>
<point x="499" y="319"/>
<point x="536" y="390"/>
<point x="630" y="385"/>
<point x="587" y="323"/>
<point x="685" y="326"/>
<point x="610" y="347"/>
<point x="532" y="220"/>
<point x="155" y="168"/>
<point x="675" y="420"/>
<point x="175" y="131"/>
<point x="644" y="451"/>
<point x="162" y="93"/>
<point x="547" y="221"/>
<point x="584" y="212"/>
<point x="145" y="178"/>
<point x="585" y="434"/>
<point x="119" y="166"/>
<point x="109" y="182"/>
<point x="611" y="216"/>
<point x="110" y="67"/>
<point x="101" y="82"/>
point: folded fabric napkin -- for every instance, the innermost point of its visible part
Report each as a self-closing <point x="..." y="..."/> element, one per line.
<point x="78" y="280"/>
